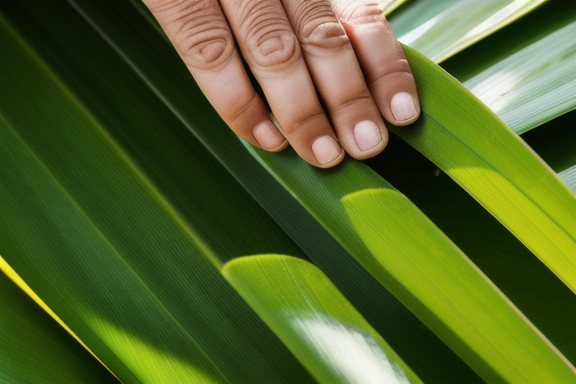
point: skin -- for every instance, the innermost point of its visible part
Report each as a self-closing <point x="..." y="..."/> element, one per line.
<point x="342" y="52"/>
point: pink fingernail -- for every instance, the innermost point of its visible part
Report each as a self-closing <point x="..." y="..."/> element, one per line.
<point x="403" y="107"/>
<point x="268" y="136"/>
<point x="326" y="149"/>
<point x="367" y="135"/>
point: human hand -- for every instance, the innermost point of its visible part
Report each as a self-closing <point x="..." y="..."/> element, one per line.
<point x="342" y="52"/>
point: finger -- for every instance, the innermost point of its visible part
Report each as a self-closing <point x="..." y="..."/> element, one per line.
<point x="338" y="78"/>
<point x="199" y="32"/>
<point x="271" y="49"/>
<point x="382" y="59"/>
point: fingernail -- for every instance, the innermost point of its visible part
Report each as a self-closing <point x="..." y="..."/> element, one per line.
<point x="326" y="149"/>
<point x="403" y="107"/>
<point x="268" y="135"/>
<point x="367" y="135"/>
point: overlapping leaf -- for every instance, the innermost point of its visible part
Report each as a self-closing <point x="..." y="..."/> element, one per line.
<point x="525" y="73"/>
<point x="316" y="321"/>
<point x="495" y="167"/>
<point x="183" y="245"/>
<point x="531" y="286"/>
<point x="441" y="28"/>
<point x="86" y="228"/>
<point x="35" y="349"/>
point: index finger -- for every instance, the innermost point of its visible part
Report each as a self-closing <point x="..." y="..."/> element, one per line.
<point x="199" y="32"/>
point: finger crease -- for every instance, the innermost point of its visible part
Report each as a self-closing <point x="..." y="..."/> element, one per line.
<point x="371" y="82"/>
<point x="244" y="108"/>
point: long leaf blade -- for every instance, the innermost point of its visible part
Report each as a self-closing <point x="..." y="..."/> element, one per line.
<point x="524" y="73"/>
<point x="407" y="254"/>
<point x="441" y="28"/>
<point x="214" y="144"/>
<point x="69" y="215"/>
<point x="495" y="167"/>
<point x="316" y="321"/>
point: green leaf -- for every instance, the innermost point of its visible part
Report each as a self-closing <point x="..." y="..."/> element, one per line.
<point x="407" y="254"/>
<point x="554" y="142"/>
<point x="525" y="73"/>
<point x="547" y="302"/>
<point x="87" y="226"/>
<point x="175" y="166"/>
<point x="388" y="6"/>
<point x="152" y="56"/>
<point x="35" y="349"/>
<point x="160" y="67"/>
<point x="315" y="321"/>
<point x="494" y="166"/>
<point x="179" y="103"/>
<point x="441" y="28"/>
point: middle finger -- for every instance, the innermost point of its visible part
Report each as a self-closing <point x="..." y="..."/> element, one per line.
<point x="272" y="51"/>
<point x="338" y="77"/>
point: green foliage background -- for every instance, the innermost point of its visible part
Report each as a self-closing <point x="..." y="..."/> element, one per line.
<point x="174" y="252"/>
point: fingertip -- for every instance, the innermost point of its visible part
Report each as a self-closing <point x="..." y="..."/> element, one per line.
<point x="367" y="135"/>
<point x="405" y="108"/>
<point x="327" y="152"/>
<point x="269" y="137"/>
<point x="370" y="139"/>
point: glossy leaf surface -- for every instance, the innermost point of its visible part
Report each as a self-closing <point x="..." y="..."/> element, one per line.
<point x="495" y="167"/>
<point x="166" y="77"/>
<point x="525" y="73"/>
<point x="35" y="349"/>
<point x="75" y="204"/>
<point x="441" y="28"/>
<point x="315" y="321"/>
<point x="406" y="253"/>
<point x="548" y="303"/>
<point x="167" y="165"/>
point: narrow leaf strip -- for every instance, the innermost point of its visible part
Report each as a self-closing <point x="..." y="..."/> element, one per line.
<point x="407" y="254"/>
<point x="33" y="347"/>
<point x="315" y="321"/>
<point x="533" y="85"/>
<point x="439" y="29"/>
<point x="525" y="72"/>
<point x="466" y="140"/>
<point x="388" y="6"/>
<point x="86" y="226"/>
<point x="568" y="177"/>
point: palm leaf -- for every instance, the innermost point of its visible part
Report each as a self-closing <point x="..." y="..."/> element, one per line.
<point x="441" y="28"/>
<point x="485" y="157"/>
<point x="525" y="73"/>
<point x="151" y="214"/>
<point x="86" y="207"/>
<point x="315" y="321"/>
<point x="35" y="349"/>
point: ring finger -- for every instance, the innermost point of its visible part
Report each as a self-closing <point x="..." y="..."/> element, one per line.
<point x="272" y="51"/>
<point x="335" y="70"/>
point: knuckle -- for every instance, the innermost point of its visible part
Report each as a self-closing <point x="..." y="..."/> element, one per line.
<point x="301" y="125"/>
<point x="270" y="40"/>
<point x="198" y="31"/>
<point x="342" y="105"/>
<point x="395" y="68"/>
<point x="317" y="26"/>
<point x="360" y="12"/>
<point x="242" y="106"/>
